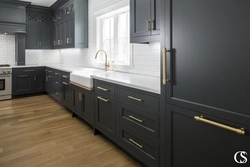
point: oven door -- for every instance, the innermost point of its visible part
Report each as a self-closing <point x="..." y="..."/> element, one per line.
<point x="5" y="84"/>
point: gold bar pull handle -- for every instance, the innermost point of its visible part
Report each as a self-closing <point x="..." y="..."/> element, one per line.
<point x="64" y="76"/>
<point x="47" y="78"/>
<point x="240" y="131"/>
<point x="57" y="93"/>
<point x="23" y="76"/>
<point x="65" y="83"/>
<point x="29" y="70"/>
<point x="134" y="98"/>
<point x="150" y="25"/>
<point x="101" y="88"/>
<point x="132" y="141"/>
<point x="80" y="96"/>
<point x="34" y="78"/>
<point x="164" y="66"/>
<point x="105" y="100"/>
<point x="134" y="118"/>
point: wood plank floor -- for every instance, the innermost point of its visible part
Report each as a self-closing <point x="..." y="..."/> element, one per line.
<point x="38" y="132"/>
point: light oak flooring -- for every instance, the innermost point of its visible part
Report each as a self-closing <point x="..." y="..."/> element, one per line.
<point x="38" y="132"/>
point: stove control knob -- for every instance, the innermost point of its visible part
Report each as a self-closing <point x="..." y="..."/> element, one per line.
<point x="8" y="72"/>
<point x="5" y="72"/>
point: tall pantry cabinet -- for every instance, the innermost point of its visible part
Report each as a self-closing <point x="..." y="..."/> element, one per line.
<point x="205" y="82"/>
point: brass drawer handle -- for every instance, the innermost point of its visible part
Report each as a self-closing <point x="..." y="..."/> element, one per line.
<point x="23" y="76"/>
<point x="80" y="96"/>
<point x="134" y="118"/>
<point x="64" y="76"/>
<point x="34" y="78"/>
<point x="56" y="73"/>
<point x="65" y="83"/>
<point x="105" y="100"/>
<point x="49" y="71"/>
<point x="131" y="97"/>
<point x="164" y="66"/>
<point x="29" y="70"/>
<point x="47" y="78"/>
<point x="57" y="94"/>
<point x="101" y="88"/>
<point x="240" y="131"/>
<point x="50" y="77"/>
<point x="139" y="145"/>
<point x="57" y="83"/>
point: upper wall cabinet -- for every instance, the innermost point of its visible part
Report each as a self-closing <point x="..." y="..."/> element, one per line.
<point x="39" y="28"/>
<point x="71" y="25"/>
<point x="13" y="12"/>
<point x="144" y="21"/>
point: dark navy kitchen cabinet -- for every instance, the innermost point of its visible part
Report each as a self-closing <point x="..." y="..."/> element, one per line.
<point x="28" y="80"/>
<point x="205" y="70"/>
<point x="39" y="31"/>
<point x="67" y="92"/>
<point x="71" y="25"/>
<point x="144" y="21"/>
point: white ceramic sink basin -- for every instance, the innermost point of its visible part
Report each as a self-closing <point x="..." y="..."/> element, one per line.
<point x="82" y="77"/>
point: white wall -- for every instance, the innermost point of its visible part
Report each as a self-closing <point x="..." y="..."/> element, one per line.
<point x="146" y="57"/>
<point x="7" y="49"/>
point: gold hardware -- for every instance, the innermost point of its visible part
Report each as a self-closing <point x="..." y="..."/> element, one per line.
<point x="56" y="83"/>
<point x="34" y="78"/>
<point x="240" y="131"/>
<point x="64" y="76"/>
<point x="80" y="96"/>
<point x="131" y="97"/>
<point x="59" y="43"/>
<point x="164" y="66"/>
<point x="54" y="42"/>
<point x="105" y="100"/>
<point x="150" y="23"/>
<point x="68" y="12"/>
<point x="49" y="71"/>
<point x="106" y="59"/>
<point x="139" y="120"/>
<point x="65" y="83"/>
<point x="56" y="73"/>
<point x="23" y="76"/>
<point x="47" y="78"/>
<point x="101" y="88"/>
<point x="50" y="77"/>
<point x="57" y="94"/>
<point x="29" y="70"/>
<point x="139" y="145"/>
<point x="68" y="40"/>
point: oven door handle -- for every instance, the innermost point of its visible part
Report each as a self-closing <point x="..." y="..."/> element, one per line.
<point x="5" y="75"/>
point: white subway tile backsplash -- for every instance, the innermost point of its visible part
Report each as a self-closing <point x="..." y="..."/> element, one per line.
<point x="7" y="49"/>
<point x="37" y="57"/>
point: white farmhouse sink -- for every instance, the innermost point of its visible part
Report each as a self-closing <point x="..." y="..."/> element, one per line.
<point x="82" y="77"/>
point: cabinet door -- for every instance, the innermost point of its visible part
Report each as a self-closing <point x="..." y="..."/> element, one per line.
<point x="38" y="82"/>
<point x="69" y="32"/>
<point x="45" y="19"/>
<point x="45" y="41"/>
<point x="139" y="16"/>
<point x="77" y="100"/>
<point x="196" y="144"/>
<point x="208" y="62"/>
<point x="32" y="37"/>
<point x="105" y="116"/>
<point x="88" y="106"/>
<point x="22" y="84"/>
<point x="32" y="18"/>
<point x="67" y="95"/>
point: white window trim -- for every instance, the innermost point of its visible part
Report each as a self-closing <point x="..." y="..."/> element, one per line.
<point x="120" y="7"/>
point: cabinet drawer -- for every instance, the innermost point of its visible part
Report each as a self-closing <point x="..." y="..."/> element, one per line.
<point x="139" y="146"/>
<point x="27" y="71"/>
<point x="105" y="88"/>
<point x="57" y="73"/>
<point x="138" y="98"/>
<point x="66" y="77"/>
<point x="57" y="94"/>
<point x="140" y="120"/>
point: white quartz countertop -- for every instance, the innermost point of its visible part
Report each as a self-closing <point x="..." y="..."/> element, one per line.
<point x="142" y="82"/>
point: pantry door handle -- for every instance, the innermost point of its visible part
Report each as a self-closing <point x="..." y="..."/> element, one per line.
<point x="240" y="131"/>
<point x="101" y="88"/>
<point x="164" y="66"/>
<point x="134" y="98"/>
<point x="134" y="118"/>
<point x="137" y="144"/>
<point x="105" y="100"/>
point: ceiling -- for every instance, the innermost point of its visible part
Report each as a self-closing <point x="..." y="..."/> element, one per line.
<point x="46" y="3"/>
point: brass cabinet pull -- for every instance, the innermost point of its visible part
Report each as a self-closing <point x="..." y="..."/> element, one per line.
<point x="164" y="66"/>
<point x="29" y="70"/>
<point x="56" y="73"/>
<point x="65" y="83"/>
<point x="23" y="76"/>
<point x="131" y="97"/>
<point x="34" y="78"/>
<point x="240" y="131"/>
<point x="105" y="100"/>
<point x="57" y="94"/>
<point x="139" y="145"/>
<point x="101" y="88"/>
<point x="47" y="78"/>
<point x="56" y="83"/>
<point x="134" y="118"/>
<point x="59" y="43"/>
<point x="64" y="76"/>
<point x="49" y="71"/>
<point x="80" y="96"/>
<point x="50" y="77"/>
<point x="150" y="25"/>
<point x="68" y="40"/>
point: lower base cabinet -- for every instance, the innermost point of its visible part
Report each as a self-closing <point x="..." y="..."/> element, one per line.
<point x="83" y="103"/>
<point x="197" y="143"/>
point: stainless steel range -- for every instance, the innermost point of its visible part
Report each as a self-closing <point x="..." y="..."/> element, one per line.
<point x="5" y="81"/>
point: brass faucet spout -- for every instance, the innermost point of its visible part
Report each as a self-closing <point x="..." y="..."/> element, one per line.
<point x="106" y="58"/>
